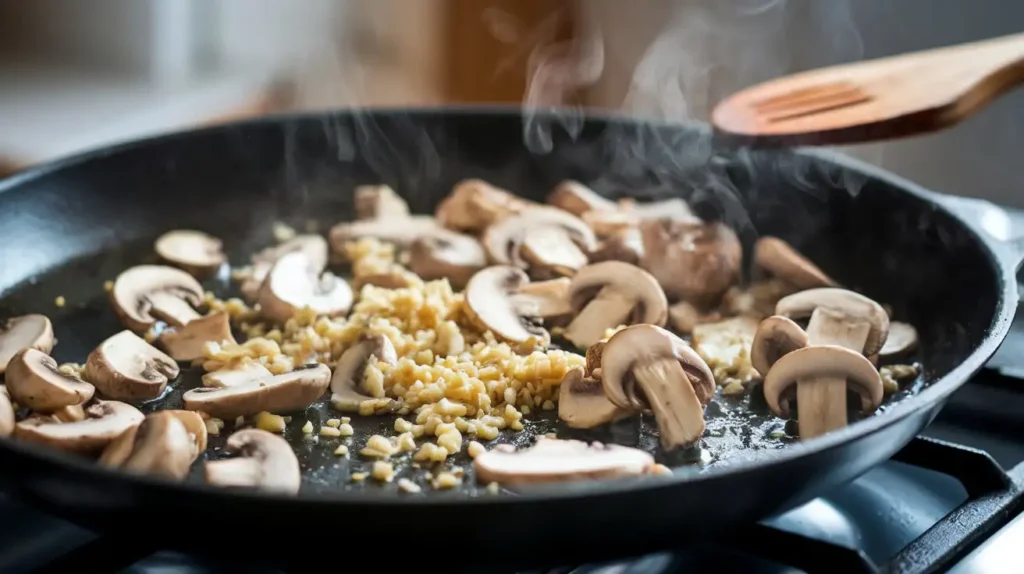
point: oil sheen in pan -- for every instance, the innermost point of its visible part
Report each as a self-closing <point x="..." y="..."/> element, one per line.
<point x="736" y="426"/>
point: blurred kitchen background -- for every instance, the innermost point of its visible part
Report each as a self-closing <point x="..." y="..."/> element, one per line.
<point x="75" y="74"/>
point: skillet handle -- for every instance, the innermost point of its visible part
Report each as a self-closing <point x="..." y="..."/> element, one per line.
<point x="1005" y="234"/>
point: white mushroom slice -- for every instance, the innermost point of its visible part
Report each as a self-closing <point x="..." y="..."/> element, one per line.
<point x="547" y="300"/>
<point x="582" y="403"/>
<point x="106" y="421"/>
<point x="6" y="412"/>
<point x="838" y="317"/>
<point x="162" y="447"/>
<point x="127" y="368"/>
<point x="475" y="204"/>
<point x="692" y="261"/>
<point x="379" y="201"/>
<point x="28" y="331"/>
<point x="121" y="448"/>
<point x="782" y="261"/>
<point x="314" y="246"/>
<point x="902" y="339"/>
<point x="776" y="337"/>
<point x="577" y="199"/>
<point x="503" y="239"/>
<point x="295" y="283"/>
<point x="551" y="252"/>
<point x="812" y="365"/>
<point x="494" y="301"/>
<point x="187" y="343"/>
<point x="671" y="378"/>
<point x="347" y="391"/>
<point x="264" y="461"/>
<point x="402" y="232"/>
<point x="289" y="392"/>
<point x="612" y="293"/>
<point x="196" y="252"/>
<point x="147" y="293"/>
<point x="447" y="255"/>
<point x="33" y="381"/>
<point x="242" y="374"/>
<point x="552" y="460"/>
<point x="625" y="245"/>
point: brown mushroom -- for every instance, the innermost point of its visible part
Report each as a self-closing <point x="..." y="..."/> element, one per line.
<point x="447" y="255"/>
<point x="838" y="317"/>
<point x="501" y="299"/>
<point x="118" y="451"/>
<point x="582" y="403"/>
<point x="782" y="261"/>
<point x="347" y="391"/>
<point x="504" y="239"/>
<point x="6" y="412"/>
<point x="645" y="365"/>
<point x="776" y="337"/>
<point x="127" y="368"/>
<point x="475" y="204"/>
<point x="611" y="293"/>
<point x="105" y="421"/>
<point x="379" y="201"/>
<point x="629" y="215"/>
<point x="264" y="461"/>
<point x="626" y="245"/>
<point x="553" y="460"/>
<point x="813" y="365"/>
<point x="295" y="283"/>
<point x="161" y="447"/>
<point x="314" y="246"/>
<point x="193" y="251"/>
<point x="577" y="199"/>
<point x="147" y="293"/>
<point x="289" y="392"/>
<point x="692" y="261"/>
<point x="400" y="231"/>
<point x="902" y="339"/>
<point x="33" y="381"/>
<point x="187" y="343"/>
<point x="27" y="331"/>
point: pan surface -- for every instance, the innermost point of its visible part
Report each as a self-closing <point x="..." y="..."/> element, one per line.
<point x="66" y="228"/>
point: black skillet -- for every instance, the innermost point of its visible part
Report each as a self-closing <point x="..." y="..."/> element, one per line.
<point x="67" y="226"/>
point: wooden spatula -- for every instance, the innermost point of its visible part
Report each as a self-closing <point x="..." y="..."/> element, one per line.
<point x="886" y="98"/>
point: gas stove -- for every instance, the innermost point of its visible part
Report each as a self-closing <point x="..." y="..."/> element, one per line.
<point x="950" y="501"/>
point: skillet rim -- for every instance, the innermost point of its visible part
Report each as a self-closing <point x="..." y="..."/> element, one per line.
<point x="596" y="490"/>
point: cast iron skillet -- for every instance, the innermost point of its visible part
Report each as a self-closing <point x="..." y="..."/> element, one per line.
<point x="67" y="226"/>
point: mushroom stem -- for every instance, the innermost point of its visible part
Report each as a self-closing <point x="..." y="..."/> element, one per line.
<point x="676" y="407"/>
<point x="609" y="309"/>
<point x="822" y="400"/>
<point x="240" y="471"/>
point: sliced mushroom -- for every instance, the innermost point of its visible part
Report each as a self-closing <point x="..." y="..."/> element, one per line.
<point x="578" y="199"/>
<point x="645" y="365"/>
<point x="105" y="421"/>
<point x="33" y="381"/>
<point x="119" y="450"/>
<point x="447" y="254"/>
<point x="264" y="461"/>
<point x="782" y="261"/>
<point x="820" y="363"/>
<point x="582" y="403"/>
<point x="147" y="293"/>
<point x="295" y="283"/>
<point x="347" y="382"/>
<point x="289" y="392"/>
<point x="196" y="252"/>
<point x="161" y="447"/>
<point x="692" y="261"/>
<point x="241" y="374"/>
<point x="379" y="201"/>
<point x="314" y="246"/>
<point x="550" y="252"/>
<point x="776" y="337"/>
<point x="475" y="204"/>
<point x="187" y="343"/>
<point x="498" y="299"/>
<point x="626" y="245"/>
<point x="611" y="293"/>
<point x="70" y="414"/>
<point x="27" y="331"/>
<point x="552" y="460"/>
<point x="838" y="317"/>
<point x="6" y="412"/>
<point x="503" y="239"/>
<point x="127" y="368"/>
<point x="400" y="231"/>
<point x="902" y="339"/>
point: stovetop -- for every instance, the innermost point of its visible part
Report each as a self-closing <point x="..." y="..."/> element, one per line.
<point x="948" y="502"/>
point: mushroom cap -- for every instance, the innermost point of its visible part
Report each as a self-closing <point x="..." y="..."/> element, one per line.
<point x="187" y="343"/>
<point x="548" y="300"/>
<point x="378" y="201"/>
<point x="489" y="303"/>
<point x="784" y="262"/>
<point x="106" y="421"/>
<point x="266" y="461"/>
<point x="902" y="338"/>
<point x="848" y="304"/>
<point x="693" y="261"/>
<point x="193" y="251"/>
<point x="503" y="239"/>
<point x="27" y="331"/>
<point x="582" y="403"/>
<point x="447" y="255"/>
<point x="162" y="447"/>
<point x="648" y="343"/>
<point x="577" y="199"/>
<point x="553" y="460"/>
<point x="127" y="368"/>
<point x="652" y="305"/>
<point x="348" y="371"/>
<point x="776" y="337"/>
<point x="285" y="393"/>
<point x="6" y="412"/>
<point x="314" y="246"/>
<point x="400" y="231"/>
<point x="146" y="293"/>
<point x="294" y="283"/>
<point x="822" y="361"/>
<point x="550" y="252"/>
<point x="196" y="427"/>
<point x="34" y="381"/>
<point x="474" y="204"/>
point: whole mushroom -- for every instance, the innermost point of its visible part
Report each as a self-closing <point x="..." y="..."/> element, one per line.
<point x="263" y="460"/>
<point x="147" y="293"/>
<point x="612" y="293"/>
<point x="196" y="252"/>
<point x="27" y="331"/>
<point x="288" y="392"/>
<point x="693" y="261"/>
<point x="127" y="368"/>
<point x="347" y="382"/>
<point x="295" y="282"/>
<point x="552" y="460"/>
<point x="105" y="421"/>
<point x="645" y="365"/>
<point x="502" y="299"/>
<point x="33" y="381"/>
